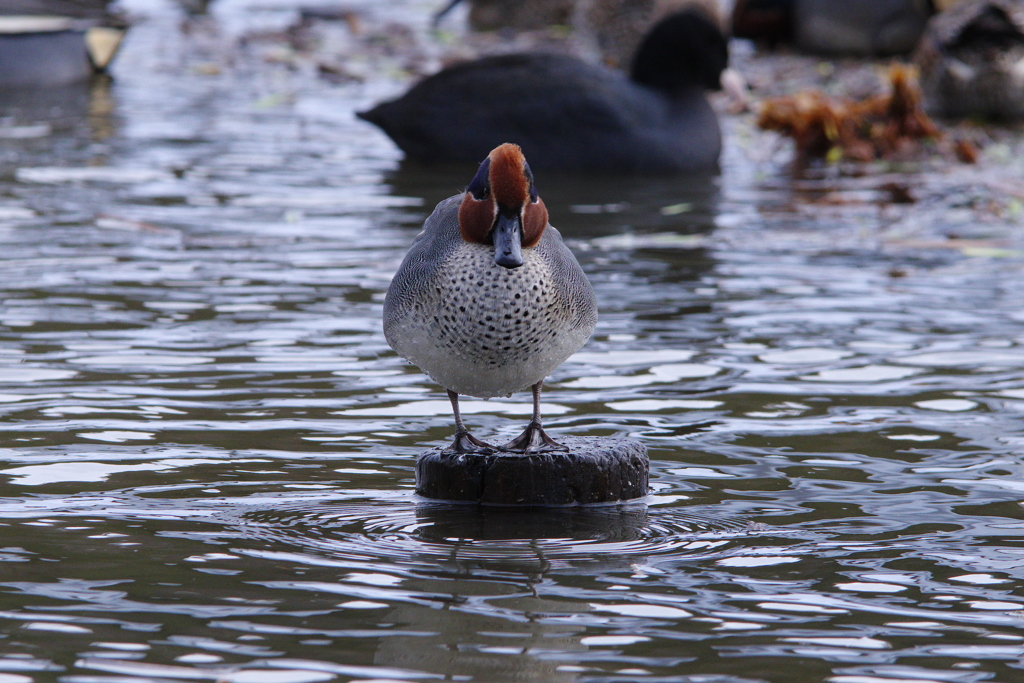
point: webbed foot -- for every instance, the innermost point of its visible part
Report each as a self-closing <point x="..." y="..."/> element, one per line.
<point x="533" y="440"/>
<point x="467" y="443"/>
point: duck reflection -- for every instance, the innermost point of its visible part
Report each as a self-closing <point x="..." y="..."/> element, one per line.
<point x="506" y="629"/>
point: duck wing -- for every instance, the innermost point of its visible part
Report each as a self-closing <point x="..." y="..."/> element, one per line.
<point x="439" y="237"/>
<point x="574" y="292"/>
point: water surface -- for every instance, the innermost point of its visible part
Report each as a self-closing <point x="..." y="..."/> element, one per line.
<point x="208" y="448"/>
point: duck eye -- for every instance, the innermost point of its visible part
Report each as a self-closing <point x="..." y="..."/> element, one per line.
<point x="529" y="177"/>
<point x="480" y="186"/>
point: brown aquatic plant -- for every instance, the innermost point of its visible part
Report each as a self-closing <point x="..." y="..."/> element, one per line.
<point x="888" y="126"/>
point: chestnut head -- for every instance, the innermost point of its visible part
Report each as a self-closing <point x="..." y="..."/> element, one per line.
<point x="501" y="207"/>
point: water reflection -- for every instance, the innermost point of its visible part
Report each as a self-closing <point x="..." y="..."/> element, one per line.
<point x="589" y="206"/>
<point x="57" y="125"/>
<point x="469" y="524"/>
<point x="482" y="646"/>
<point x="514" y="551"/>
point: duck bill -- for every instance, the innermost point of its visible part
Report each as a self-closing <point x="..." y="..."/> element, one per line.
<point x="508" y="241"/>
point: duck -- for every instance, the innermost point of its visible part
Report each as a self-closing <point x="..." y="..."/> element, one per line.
<point x="971" y="60"/>
<point x="568" y="115"/>
<point x="612" y="30"/>
<point x="489" y="300"/>
<point x="606" y="31"/>
<point x="866" y="28"/>
<point x="523" y="15"/>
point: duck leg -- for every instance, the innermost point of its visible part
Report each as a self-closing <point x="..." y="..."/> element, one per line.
<point x="464" y="441"/>
<point x="534" y="439"/>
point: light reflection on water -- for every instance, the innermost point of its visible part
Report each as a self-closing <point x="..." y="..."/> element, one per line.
<point x="209" y="448"/>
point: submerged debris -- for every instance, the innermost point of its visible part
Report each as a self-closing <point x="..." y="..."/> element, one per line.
<point x="887" y="126"/>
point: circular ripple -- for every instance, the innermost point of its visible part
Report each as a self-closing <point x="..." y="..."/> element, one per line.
<point x="433" y="533"/>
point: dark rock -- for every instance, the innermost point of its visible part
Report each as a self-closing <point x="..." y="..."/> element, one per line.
<point x="594" y="470"/>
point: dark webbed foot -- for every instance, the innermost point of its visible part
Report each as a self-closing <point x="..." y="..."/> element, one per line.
<point x="533" y="440"/>
<point x="467" y="443"/>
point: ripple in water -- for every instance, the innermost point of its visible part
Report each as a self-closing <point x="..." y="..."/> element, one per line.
<point x="208" y="446"/>
<point x="431" y="532"/>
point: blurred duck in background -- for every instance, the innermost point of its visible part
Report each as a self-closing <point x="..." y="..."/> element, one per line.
<point x="972" y="61"/>
<point x="606" y="31"/>
<point x="519" y="15"/>
<point x="50" y="43"/>
<point x="864" y="28"/>
<point x="569" y="115"/>
<point x="612" y="30"/>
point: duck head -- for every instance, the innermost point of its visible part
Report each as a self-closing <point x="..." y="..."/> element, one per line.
<point x="501" y="207"/>
<point x="684" y="50"/>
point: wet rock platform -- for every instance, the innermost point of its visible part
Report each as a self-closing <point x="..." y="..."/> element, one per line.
<point x="593" y="470"/>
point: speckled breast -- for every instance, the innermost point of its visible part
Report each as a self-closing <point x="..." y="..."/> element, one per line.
<point x="480" y="329"/>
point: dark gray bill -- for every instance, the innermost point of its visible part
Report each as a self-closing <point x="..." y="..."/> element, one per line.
<point x="508" y="241"/>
